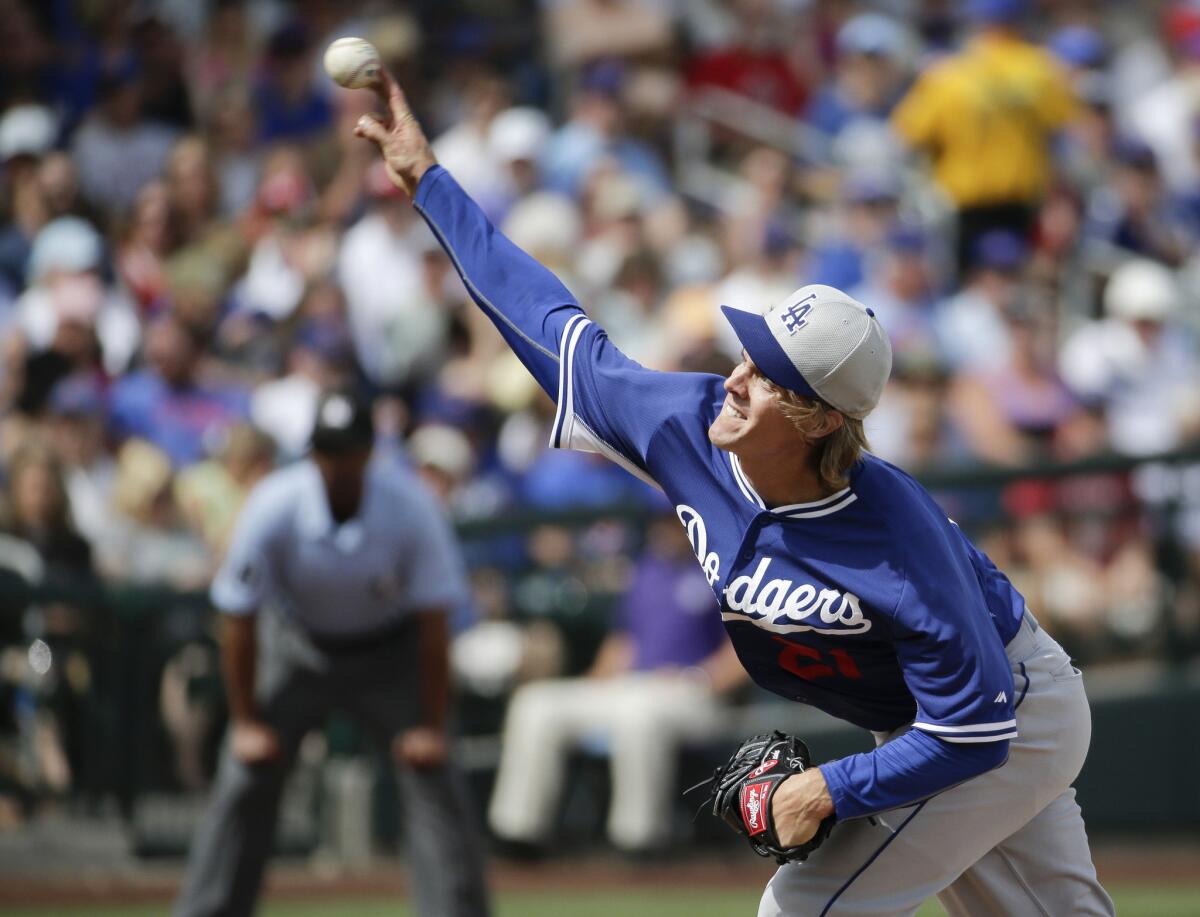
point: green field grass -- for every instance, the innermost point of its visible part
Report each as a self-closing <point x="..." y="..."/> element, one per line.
<point x="1141" y="900"/>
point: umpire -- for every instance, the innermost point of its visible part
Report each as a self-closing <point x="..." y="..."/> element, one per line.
<point x="359" y="568"/>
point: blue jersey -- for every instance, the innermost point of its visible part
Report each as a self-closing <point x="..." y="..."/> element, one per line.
<point x="869" y="604"/>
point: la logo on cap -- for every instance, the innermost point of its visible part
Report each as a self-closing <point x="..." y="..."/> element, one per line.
<point x="794" y="316"/>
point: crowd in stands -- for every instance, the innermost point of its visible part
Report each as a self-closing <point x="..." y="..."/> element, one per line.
<point x="193" y="245"/>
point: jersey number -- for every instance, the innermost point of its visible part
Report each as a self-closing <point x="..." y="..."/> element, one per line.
<point x="809" y="663"/>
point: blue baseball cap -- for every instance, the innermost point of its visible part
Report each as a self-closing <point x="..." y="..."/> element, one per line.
<point x="1079" y="46"/>
<point x="821" y="343"/>
<point x="999" y="250"/>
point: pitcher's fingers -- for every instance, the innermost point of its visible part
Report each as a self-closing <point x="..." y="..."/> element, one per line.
<point x="397" y="103"/>
<point x="372" y="128"/>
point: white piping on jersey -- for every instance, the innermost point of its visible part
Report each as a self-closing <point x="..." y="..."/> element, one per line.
<point x="815" y="504"/>
<point x="964" y="740"/>
<point x="566" y="402"/>
<point x="569" y="430"/>
<point x="475" y="292"/>
<point x="772" y="627"/>
<point x="985" y="727"/>
<point x="813" y="510"/>
<point x="582" y="438"/>
<point x="822" y="512"/>
<point x="743" y="482"/>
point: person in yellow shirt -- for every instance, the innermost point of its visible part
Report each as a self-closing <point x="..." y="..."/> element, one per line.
<point x="986" y="116"/>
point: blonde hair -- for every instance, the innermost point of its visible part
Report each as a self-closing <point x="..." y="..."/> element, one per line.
<point x="833" y="455"/>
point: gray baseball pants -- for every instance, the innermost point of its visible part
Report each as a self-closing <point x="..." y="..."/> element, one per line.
<point x="1010" y="841"/>
<point x="298" y="686"/>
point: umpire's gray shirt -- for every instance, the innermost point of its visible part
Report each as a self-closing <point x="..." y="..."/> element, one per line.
<point x="397" y="555"/>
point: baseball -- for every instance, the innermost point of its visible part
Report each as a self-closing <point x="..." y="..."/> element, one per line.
<point x="352" y="62"/>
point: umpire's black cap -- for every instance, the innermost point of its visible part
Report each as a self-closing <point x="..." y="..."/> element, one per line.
<point x="343" y="423"/>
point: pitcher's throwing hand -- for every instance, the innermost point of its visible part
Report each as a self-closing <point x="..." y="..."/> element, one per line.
<point x="406" y="150"/>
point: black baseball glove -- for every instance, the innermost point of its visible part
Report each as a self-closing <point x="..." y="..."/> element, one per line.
<point x="742" y="789"/>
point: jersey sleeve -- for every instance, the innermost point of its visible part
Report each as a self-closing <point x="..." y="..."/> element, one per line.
<point x="913" y="767"/>
<point x="606" y="403"/>
<point x="948" y="647"/>
<point x="243" y="581"/>
<point x="955" y="666"/>
<point x="614" y="406"/>
<point x="526" y="302"/>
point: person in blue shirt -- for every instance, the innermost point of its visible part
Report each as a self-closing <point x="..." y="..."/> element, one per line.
<point x="167" y="403"/>
<point x="840" y="581"/>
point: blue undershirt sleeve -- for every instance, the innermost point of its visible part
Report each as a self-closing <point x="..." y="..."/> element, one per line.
<point x="905" y="770"/>
<point x="525" y="301"/>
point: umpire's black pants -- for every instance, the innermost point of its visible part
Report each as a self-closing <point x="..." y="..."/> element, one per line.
<point x="299" y="684"/>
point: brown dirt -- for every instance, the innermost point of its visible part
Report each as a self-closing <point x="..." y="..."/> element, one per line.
<point x="1124" y="862"/>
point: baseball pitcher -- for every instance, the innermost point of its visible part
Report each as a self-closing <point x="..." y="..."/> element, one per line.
<point x="841" y="584"/>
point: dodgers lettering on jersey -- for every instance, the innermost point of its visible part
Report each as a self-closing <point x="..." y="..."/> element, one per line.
<point x="869" y="604"/>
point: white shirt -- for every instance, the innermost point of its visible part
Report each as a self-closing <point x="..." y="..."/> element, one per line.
<point x="392" y="320"/>
<point x="1147" y="388"/>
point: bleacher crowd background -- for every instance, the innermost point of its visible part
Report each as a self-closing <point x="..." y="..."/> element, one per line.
<point x="193" y="244"/>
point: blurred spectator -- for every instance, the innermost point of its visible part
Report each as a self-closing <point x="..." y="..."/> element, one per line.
<point x="595" y="132"/>
<point x="37" y="512"/>
<point x="161" y="56"/>
<point x="210" y="494"/>
<point x="223" y="57"/>
<point x="756" y="207"/>
<point x="466" y="150"/>
<point x="1085" y="146"/>
<point x="1016" y="413"/>
<point x="320" y="357"/>
<point x="757" y="59"/>
<point x="581" y="32"/>
<point x="857" y="230"/>
<point x="75" y="412"/>
<point x="873" y="52"/>
<point x="659" y="680"/>
<point x="168" y="402"/>
<point x="281" y="261"/>
<point x="147" y="241"/>
<point x="1165" y="115"/>
<point x="1132" y="212"/>
<point x="146" y="540"/>
<point x="238" y="161"/>
<point x="912" y="426"/>
<point x="612" y="212"/>
<point x="443" y="457"/>
<point x="766" y="279"/>
<point x="116" y="149"/>
<point x="900" y="288"/>
<point x="516" y="139"/>
<point x="986" y="117"/>
<point x="1138" y="365"/>
<point x="67" y="308"/>
<point x="289" y="104"/>
<point x="396" y="320"/>
<point x="970" y="324"/>
<point x="27" y="133"/>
